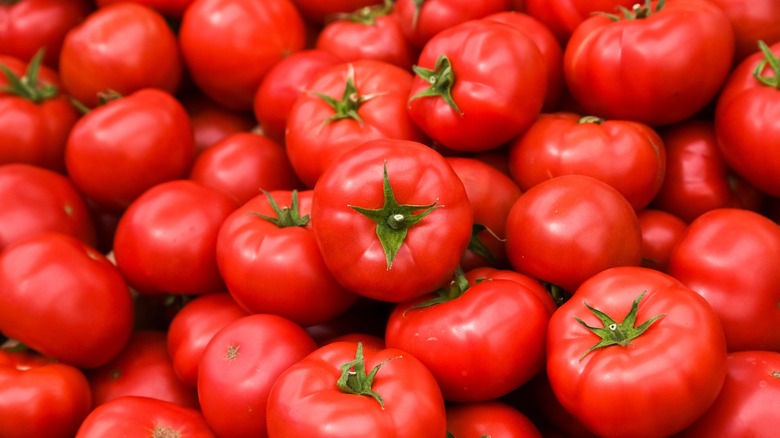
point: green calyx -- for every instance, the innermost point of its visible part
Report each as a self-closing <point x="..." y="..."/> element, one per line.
<point x="346" y="107"/>
<point x="28" y="86"/>
<point x="393" y="220"/>
<point x="457" y="287"/>
<point x="769" y="58"/>
<point x="478" y="247"/>
<point x="355" y="380"/>
<point x="367" y="15"/>
<point x="590" y="119"/>
<point x="614" y="333"/>
<point x="441" y="78"/>
<point x="287" y="216"/>
<point x="418" y="4"/>
<point x="637" y="12"/>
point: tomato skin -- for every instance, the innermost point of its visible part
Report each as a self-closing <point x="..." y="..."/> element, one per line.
<point x="569" y="228"/>
<point x="730" y="257"/>
<point x="166" y="240"/>
<point x="123" y="47"/>
<point x="432" y="248"/>
<point x="753" y="21"/>
<point x="212" y="122"/>
<point x="304" y="400"/>
<point x="661" y="231"/>
<point x="239" y="366"/>
<point x="37" y="272"/>
<point x="111" y="149"/>
<point x="141" y="416"/>
<point x="656" y="70"/>
<point x="745" y="405"/>
<point x="489" y="418"/>
<point x="40" y="397"/>
<point x="563" y="16"/>
<point x="228" y="46"/>
<point x="624" y="390"/>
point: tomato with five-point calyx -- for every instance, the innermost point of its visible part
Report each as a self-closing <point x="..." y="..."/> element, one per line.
<point x="406" y="214"/>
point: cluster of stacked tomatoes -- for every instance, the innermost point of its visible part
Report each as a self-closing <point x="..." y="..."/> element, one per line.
<point x="411" y="218"/>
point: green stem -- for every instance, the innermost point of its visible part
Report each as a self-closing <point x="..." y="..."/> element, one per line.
<point x="355" y="380"/>
<point x="28" y="86"/>
<point x="637" y="12"/>
<point x="287" y="216"/>
<point x="441" y="78"/>
<point x="769" y="58"/>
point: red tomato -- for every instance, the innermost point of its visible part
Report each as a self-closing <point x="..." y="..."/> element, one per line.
<point x="659" y="63"/>
<point x="319" y="11"/>
<point x="490" y="418"/>
<point x="407" y="214"/>
<point x="166" y="240"/>
<point x="169" y="8"/>
<point x="535" y="286"/>
<point x="622" y="350"/>
<point x="753" y="21"/>
<point x="283" y="84"/>
<point x="211" y="122"/>
<point x="123" y="148"/>
<point x="37" y="200"/>
<point x="629" y="156"/>
<point x="661" y="231"/>
<point x="746" y="403"/>
<point x="124" y="47"/>
<point x="459" y="99"/>
<point x="229" y="45"/>
<point x="144" y="416"/>
<point x="270" y="237"/>
<point x="731" y="257"/>
<point x="746" y="117"/>
<point x="569" y="228"/>
<point x="344" y="389"/>
<point x="39" y="397"/>
<point x="192" y="328"/>
<point x="697" y="178"/>
<point x="142" y="368"/>
<point x="347" y="105"/>
<point x="563" y="16"/>
<point x="48" y="281"/>
<point x="244" y="163"/>
<point x="238" y="368"/>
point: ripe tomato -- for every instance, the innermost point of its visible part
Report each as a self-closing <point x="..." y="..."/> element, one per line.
<point x="753" y="21"/>
<point x="406" y="212"/>
<point x="630" y="343"/>
<point x="124" y="47"/>
<point x="490" y="418"/>
<point x="344" y="389"/>
<point x="563" y="16"/>
<point x="661" y="231"/>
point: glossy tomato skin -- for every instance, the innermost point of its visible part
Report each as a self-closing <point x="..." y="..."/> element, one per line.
<point x="657" y="70"/>
<point x="629" y="156"/>
<point x="661" y="231"/>
<point x="119" y="150"/>
<point x="492" y="108"/>
<point x="123" y="47"/>
<point x="569" y="228"/>
<point x="753" y="21"/>
<point x="563" y="16"/>
<point x="531" y="284"/>
<point x="305" y="400"/>
<point x="489" y="418"/>
<point x="730" y="257"/>
<point x="745" y="405"/>
<point x="141" y="416"/>
<point x="679" y="361"/>
<point x="40" y="397"/>
<point x="166" y="240"/>
<point x="36" y="200"/>
<point x="228" y="46"/>
<point x="431" y="249"/>
<point x="53" y="277"/>
<point x="239" y="366"/>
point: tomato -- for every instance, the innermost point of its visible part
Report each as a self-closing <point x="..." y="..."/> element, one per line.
<point x="569" y="228"/>
<point x="229" y="45"/>
<point x="124" y="47"/>
<point x="658" y="63"/>
<point x="244" y="163"/>
<point x="144" y="416"/>
<point x="271" y="237"/>
<point x="529" y="283"/>
<point x="319" y="12"/>
<point x="35" y="117"/>
<point x="630" y="343"/>
<point x="407" y="214"/>
<point x="166" y="240"/>
<point x="239" y="366"/>
<point x="563" y="16"/>
<point x="26" y="26"/>
<point x="753" y="21"/>
<point x="478" y="85"/>
<point x="470" y="335"/>
<point x="745" y="120"/>
<point x="697" y="178"/>
<point x="121" y="149"/>
<point x="745" y="405"/>
<point x="47" y="281"/>
<point x="211" y="122"/>
<point x="37" y="200"/>
<point x="344" y="389"/>
<point x="661" y="231"/>
<point x="170" y="8"/>
<point x="629" y="156"/>
<point x="730" y="257"/>
<point x="347" y="105"/>
<point x="490" y="418"/>
<point x="40" y="397"/>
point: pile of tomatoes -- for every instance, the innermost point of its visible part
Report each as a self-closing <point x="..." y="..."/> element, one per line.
<point x="367" y="218"/>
